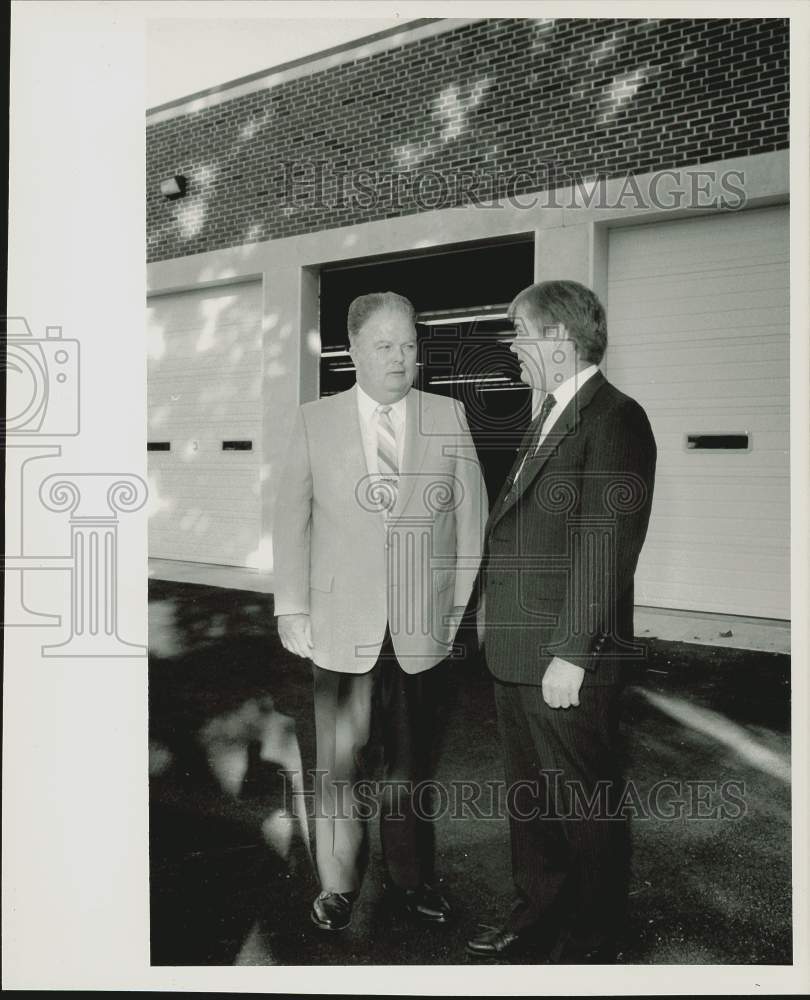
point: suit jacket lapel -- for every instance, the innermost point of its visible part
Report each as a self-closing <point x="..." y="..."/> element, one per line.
<point x="348" y="444"/>
<point x="567" y="422"/>
<point x="528" y="437"/>
<point x="418" y="425"/>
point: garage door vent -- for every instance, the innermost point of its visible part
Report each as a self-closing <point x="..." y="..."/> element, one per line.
<point x="158" y="446"/>
<point x="718" y="442"/>
<point x="237" y="446"/>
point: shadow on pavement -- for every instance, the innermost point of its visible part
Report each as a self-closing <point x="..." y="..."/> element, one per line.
<point x="231" y="877"/>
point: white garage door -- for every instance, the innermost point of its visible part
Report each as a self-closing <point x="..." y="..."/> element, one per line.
<point x="698" y="334"/>
<point x="204" y="405"/>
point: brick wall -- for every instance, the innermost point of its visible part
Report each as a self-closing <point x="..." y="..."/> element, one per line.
<point x="492" y="107"/>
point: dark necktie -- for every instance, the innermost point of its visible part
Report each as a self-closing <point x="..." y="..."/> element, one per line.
<point x="534" y="440"/>
<point x="545" y="409"/>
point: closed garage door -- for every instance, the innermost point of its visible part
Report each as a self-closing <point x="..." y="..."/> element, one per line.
<point x="698" y="333"/>
<point x="204" y="405"/>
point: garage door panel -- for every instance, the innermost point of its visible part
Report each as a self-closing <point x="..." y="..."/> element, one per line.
<point x="762" y="420"/>
<point x="204" y="500"/>
<point x="716" y="507"/>
<point x="759" y="592"/>
<point x="693" y="596"/>
<point x="208" y="346"/>
<point x="681" y="302"/>
<point x="204" y="388"/>
<point x="745" y="322"/>
<point x="677" y="247"/>
<point x="644" y="337"/>
<point x="675" y="487"/>
<point x="747" y="388"/>
<point x="760" y="494"/>
<point x="682" y="371"/>
<point x="197" y="389"/>
<point x="680" y="249"/>
<point x="677" y="252"/>
<point x="209" y="363"/>
<point x="681" y="549"/>
<point x="190" y="544"/>
<point x="181" y="441"/>
<point x="737" y="281"/>
<point x="680" y="572"/>
<point x="238" y="483"/>
<point x="684" y="530"/>
<point x="193" y="418"/>
<point x="715" y="352"/>
<point x="210" y="500"/>
<point x="766" y="441"/>
<point x="698" y="334"/>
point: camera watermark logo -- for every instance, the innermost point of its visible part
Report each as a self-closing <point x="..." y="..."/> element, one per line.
<point x="43" y="402"/>
<point x="42" y="382"/>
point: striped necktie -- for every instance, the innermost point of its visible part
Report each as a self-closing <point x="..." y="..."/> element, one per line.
<point x="387" y="461"/>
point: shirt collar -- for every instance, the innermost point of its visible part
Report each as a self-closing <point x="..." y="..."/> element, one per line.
<point x="566" y="391"/>
<point x="368" y="406"/>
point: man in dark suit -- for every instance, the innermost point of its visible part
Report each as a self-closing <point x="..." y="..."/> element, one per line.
<point x="561" y="548"/>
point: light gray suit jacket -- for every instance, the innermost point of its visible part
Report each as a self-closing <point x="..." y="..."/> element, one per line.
<point x="352" y="564"/>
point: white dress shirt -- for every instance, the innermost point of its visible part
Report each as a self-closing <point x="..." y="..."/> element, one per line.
<point x="563" y="395"/>
<point x="367" y="411"/>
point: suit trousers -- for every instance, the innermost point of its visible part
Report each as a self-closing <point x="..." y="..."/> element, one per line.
<point x="357" y="716"/>
<point x="569" y="852"/>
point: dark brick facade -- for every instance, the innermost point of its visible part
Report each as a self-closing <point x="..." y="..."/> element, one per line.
<point x="494" y="106"/>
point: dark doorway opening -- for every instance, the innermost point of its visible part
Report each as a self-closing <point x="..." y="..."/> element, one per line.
<point x="460" y="294"/>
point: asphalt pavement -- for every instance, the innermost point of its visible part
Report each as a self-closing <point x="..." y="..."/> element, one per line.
<point x="706" y="740"/>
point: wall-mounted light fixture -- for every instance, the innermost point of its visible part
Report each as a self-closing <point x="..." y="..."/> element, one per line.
<point x="173" y="187"/>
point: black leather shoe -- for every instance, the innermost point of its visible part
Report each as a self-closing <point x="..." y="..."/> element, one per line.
<point x="332" y="911"/>
<point x="426" y="903"/>
<point x="497" y="942"/>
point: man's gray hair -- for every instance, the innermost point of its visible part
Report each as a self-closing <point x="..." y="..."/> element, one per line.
<point x="573" y="305"/>
<point x="364" y="307"/>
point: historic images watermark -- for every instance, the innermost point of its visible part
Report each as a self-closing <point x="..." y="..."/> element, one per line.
<point x="43" y="386"/>
<point x="313" y="184"/>
<point x="548" y="797"/>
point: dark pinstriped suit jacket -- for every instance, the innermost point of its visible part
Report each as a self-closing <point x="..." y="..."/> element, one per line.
<point x="562" y="542"/>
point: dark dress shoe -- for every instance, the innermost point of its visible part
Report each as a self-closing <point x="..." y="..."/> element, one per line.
<point x="332" y="911"/>
<point x="497" y="942"/>
<point x="425" y="903"/>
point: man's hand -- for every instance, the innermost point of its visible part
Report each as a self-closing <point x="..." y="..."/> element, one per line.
<point x="295" y="633"/>
<point x="561" y="683"/>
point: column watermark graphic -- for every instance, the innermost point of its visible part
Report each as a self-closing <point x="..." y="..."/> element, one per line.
<point x="418" y="570"/>
<point x="43" y="402"/>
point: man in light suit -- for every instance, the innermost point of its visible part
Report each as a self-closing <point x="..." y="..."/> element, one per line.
<point x="561" y="548"/>
<point x="377" y="541"/>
